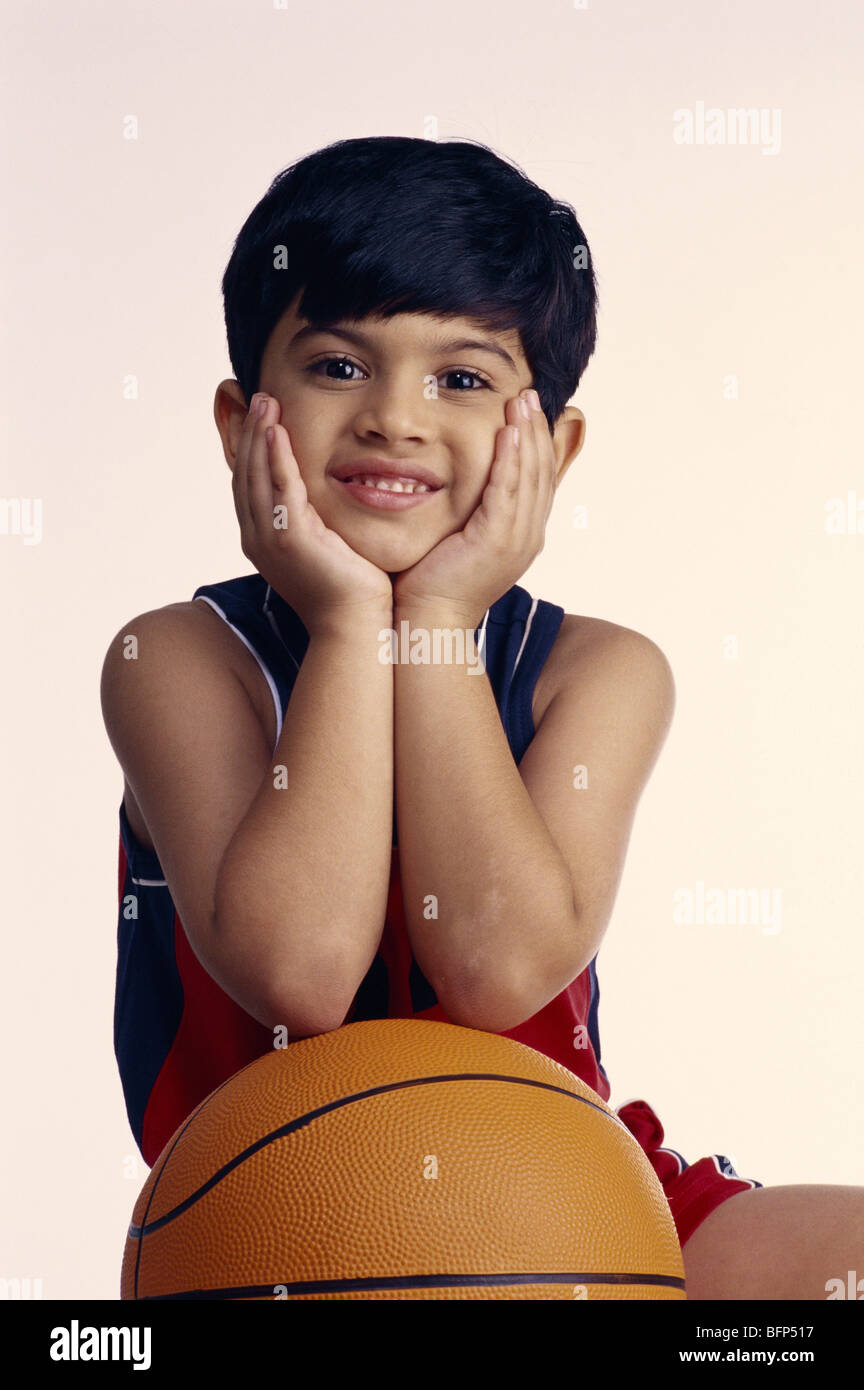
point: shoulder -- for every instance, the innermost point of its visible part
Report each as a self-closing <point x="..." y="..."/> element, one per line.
<point x="595" y="654"/>
<point x="172" y="620"/>
<point x="184" y="630"/>
<point x="190" y="644"/>
<point x="177" y="630"/>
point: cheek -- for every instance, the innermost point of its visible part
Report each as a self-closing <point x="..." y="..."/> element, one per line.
<point x="476" y="454"/>
<point x="310" y="438"/>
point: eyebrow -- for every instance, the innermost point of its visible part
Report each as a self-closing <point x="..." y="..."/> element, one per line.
<point x="362" y="340"/>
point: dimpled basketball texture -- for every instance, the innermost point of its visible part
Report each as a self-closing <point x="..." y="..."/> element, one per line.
<point x="402" y="1159"/>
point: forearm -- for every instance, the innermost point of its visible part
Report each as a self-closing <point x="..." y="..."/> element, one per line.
<point x="506" y="934"/>
<point x="301" y="894"/>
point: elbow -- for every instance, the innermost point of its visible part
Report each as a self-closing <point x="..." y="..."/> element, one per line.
<point x="488" y="1007"/>
<point x="296" y="1011"/>
<point x="290" y="998"/>
<point x="297" y="1003"/>
<point x="288" y="1012"/>
<point x="291" y="1021"/>
<point x="314" y="994"/>
<point x="485" y="1017"/>
<point x="497" y="1005"/>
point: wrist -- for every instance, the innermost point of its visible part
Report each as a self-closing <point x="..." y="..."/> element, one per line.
<point x="435" y="613"/>
<point x="348" y="619"/>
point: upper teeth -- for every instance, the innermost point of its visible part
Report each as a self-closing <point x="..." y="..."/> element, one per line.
<point x="391" y="484"/>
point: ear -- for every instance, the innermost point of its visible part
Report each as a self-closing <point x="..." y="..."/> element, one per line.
<point x="567" y="439"/>
<point x="229" y="411"/>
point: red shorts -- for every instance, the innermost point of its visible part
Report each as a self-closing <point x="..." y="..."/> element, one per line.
<point x="692" y="1189"/>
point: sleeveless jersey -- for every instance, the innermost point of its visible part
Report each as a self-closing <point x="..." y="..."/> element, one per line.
<point x="177" y="1034"/>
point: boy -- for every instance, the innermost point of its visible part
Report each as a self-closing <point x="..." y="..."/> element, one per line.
<point x="274" y="754"/>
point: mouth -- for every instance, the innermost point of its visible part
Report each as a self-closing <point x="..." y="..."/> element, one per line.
<point x="388" y="485"/>
<point x="386" y="494"/>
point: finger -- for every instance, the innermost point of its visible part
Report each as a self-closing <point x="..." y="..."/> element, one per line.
<point x="500" y="496"/>
<point x="529" y="462"/>
<point x="239" y="483"/>
<point x="286" y="479"/>
<point x="258" y="482"/>
<point x="525" y="466"/>
<point x="539" y="466"/>
<point x="288" y="491"/>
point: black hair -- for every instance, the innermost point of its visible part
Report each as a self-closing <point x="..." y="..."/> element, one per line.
<point x="391" y="224"/>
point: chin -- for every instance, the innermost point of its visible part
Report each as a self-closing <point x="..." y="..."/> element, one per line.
<point x="392" y="564"/>
<point x="392" y="557"/>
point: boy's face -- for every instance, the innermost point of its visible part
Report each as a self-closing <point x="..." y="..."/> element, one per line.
<point x="400" y="389"/>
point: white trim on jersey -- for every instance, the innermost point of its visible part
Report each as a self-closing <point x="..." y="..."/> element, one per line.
<point x="150" y="882"/>
<point x="271" y="618"/>
<point x="481" y="639"/>
<point x="732" y="1178"/>
<point x="528" y="623"/>
<point x="202" y="598"/>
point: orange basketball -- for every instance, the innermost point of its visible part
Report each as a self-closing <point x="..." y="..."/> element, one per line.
<point x="402" y="1159"/>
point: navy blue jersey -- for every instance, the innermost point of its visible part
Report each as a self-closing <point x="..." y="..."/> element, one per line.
<point x="177" y="1035"/>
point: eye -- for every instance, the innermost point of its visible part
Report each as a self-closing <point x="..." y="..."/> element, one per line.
<point x="328" y="361"/>
<point x="463" y="371"/>
<point x="345" y="362"/>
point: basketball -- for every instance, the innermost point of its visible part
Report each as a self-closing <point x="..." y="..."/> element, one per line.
<point x="402" y="1159"/>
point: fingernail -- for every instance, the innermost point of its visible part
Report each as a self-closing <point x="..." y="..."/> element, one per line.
<point x="535" y="400"/>
<point x="523" y="406"/>
<point x="262" y="405"/>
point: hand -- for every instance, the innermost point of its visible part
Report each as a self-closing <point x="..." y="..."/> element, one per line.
<point x="311" y="567"/>
<point x="468" y="571"/>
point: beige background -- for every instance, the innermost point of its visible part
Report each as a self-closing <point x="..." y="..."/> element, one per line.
<point x="706" y="514"/>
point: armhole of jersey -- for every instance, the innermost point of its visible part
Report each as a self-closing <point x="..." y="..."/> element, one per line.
<point x="277" y="704"/>
<point x="142" y="861"/>
<point x="542" y="626"/>
<point x="535" y="603"/>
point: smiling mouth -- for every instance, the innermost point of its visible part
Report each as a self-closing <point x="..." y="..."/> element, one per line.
<point x="385" y="493"/>
<point x="387" y="484"/>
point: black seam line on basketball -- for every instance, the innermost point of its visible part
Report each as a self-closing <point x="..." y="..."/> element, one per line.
<point x="145" y="1229"/>
<point x="195" y="1113"/>
<point x="417" y="1281"/>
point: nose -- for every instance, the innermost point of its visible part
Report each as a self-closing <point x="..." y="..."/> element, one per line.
<point x="395" y="410"/>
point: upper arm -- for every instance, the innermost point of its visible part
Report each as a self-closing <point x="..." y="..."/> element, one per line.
<point x="591" y="756"/>
<point x="193" y="752"/>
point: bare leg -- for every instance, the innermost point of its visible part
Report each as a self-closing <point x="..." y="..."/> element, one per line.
<point x="783" y="1242"/>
